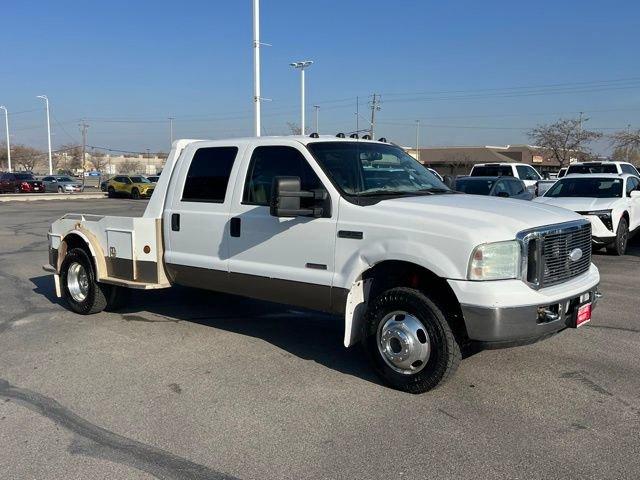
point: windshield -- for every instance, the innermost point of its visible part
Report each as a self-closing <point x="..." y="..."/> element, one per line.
<point x="63" y="179"/>
<point x="586" y="187"/>
<point x="368" y="169"/>
<point x="24" y="176"/>
<point x="139" y="180"/>
<point x="474" y="186"/>
<point x="595" y="168"/>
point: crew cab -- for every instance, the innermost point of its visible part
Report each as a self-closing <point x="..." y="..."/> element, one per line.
<point x="611" y="202"/>
<point x="355" y="227"/>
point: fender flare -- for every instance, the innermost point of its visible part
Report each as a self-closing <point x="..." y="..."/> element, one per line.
<point x="94" y="249"/>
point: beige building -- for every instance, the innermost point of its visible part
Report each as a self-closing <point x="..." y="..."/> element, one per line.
<point x="459" y="160"/>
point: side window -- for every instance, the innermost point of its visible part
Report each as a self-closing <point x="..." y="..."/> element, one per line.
<point x="126" y="180"/>
<point x="47" y="179"/>
<point x="632" y="184"/>
<point x="526" y="172"/>
<point x="268" y="162"/>
<point x="626" y="168"/>
<point x="501" y="188"/>
<point x="208" y="174"/>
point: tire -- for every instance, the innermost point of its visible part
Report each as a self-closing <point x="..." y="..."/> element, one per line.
<point x="60" y="190"/>
<point x="135" y="194"/>
<point x="619" y="246"/>
<point x="111" y="192"/>
<point x="17" y="190"/>
<point x="410" y="308"/>
<point x="83" y="293"/>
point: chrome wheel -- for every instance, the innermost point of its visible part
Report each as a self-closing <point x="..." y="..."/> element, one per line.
<point x="77" y="282"/>
<point x="403" y="342"/>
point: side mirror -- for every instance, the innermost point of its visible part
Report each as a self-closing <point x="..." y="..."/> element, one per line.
<point x="502" y="194"/>
<point x="286" y="195"/>
<point x="635" y="194"/>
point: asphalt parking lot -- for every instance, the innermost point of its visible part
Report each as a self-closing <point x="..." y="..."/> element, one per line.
<point x="197" y="385"/>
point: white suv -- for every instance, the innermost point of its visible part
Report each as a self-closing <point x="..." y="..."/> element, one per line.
<point x="524" y="172"/>
<point x="603" y="167"/>
<point x="609" y="201"/>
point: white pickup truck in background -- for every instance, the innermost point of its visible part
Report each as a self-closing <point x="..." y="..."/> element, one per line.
<point x="353" y="227"/>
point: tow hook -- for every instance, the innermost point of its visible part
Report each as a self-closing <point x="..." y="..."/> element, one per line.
<point x="546" y="314"/>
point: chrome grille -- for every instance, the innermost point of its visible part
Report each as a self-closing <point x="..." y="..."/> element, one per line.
<point x="547" y="253"/>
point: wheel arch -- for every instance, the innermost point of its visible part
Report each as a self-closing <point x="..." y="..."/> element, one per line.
<point x="87" y="241"/>
<point x="399" y="273"/>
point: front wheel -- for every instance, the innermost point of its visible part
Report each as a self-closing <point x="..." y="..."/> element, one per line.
<point x="84" y="294"/>
<point x="60" y="190"/>
<point x="619" y="246"/>
<point x="111" y="192"/>
<point x="135" y="194"/>
<point x="409" y="341"/>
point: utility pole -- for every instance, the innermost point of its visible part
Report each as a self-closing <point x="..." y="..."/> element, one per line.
<point x="44" y="97"/>
<point x="256" y="66"/>
<point x="418" y="140"/>
<point x="580" y="124"/>
<point x="83" y="128"/>
<point x="171" y="131"/>
<point x="6" y="123"/>
<point x="628" y="146"/>
<point x="375" y="107"/>
<point x="317" y="129"/>
<point x="148" y="169"/>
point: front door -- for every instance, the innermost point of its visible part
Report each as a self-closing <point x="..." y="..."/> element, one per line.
<point x="288" y="260"/>
<point x="195" y="222"/>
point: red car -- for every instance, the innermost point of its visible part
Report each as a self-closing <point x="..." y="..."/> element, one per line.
<point x="20" y="183"/>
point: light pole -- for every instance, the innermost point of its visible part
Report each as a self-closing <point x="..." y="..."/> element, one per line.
<point x="171" y="131"/>
<point x="302" y="66"/>
<point x="6" y="123"/>
<point x="44" y="97"/>
<point x="256" y="66"/>
<point x="418" y="140"/>
<point x="317" y="107"/>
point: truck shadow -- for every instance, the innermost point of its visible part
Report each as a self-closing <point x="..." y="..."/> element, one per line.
<point x="306" y="334"/>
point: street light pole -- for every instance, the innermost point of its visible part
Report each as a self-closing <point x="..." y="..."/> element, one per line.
<point x="256" y="66"/>
<point x="317" y="129"/>
<point x="418" y="140"/>
<point x="44" y="97"/>
<point x="6" y="123"/>
<point x="171" y="131"/>
<point x="302" y="66"/>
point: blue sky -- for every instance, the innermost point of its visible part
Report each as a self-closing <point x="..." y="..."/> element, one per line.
<point x="473" y="72"/>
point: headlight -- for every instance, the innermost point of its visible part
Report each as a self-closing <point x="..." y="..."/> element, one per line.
<point x="603" y="215"/>
<point x="495" y="261"/>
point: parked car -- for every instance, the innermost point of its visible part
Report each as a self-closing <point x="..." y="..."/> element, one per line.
<point x="153" y="178"/>
<point x="435" y="173"/>
<point x="417" y="272"/>
<point x="524" y="172"/>
<point x="505" y="187"/>
<point x="19" y="182"/>
<point x="62" y="184"/>
<point x="135" y="186"/>
<point x="603" y="167"/>
<point x="611" y="202"/>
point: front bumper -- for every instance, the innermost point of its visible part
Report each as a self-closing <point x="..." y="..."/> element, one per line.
<point x="508" y="326"/>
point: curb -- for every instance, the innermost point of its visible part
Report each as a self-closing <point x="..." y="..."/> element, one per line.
<point x="30" y="197"/>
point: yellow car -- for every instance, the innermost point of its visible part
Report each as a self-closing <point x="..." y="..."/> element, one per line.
<point x="135" y="186"/>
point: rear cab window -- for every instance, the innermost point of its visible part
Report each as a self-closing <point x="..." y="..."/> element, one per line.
<point x="207" y="179"/>
<point x="525" y="172"/>
<point x="492" y="171"/>
<point x="593" y="168"/>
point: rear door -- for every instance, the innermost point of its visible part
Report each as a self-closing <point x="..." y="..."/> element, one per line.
<point x="287" y="260"/>
<point x="196" y="216"/>
<point x="633" y="184"/>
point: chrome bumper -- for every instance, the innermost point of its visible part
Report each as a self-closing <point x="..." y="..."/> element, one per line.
<point x="505" y="327"/>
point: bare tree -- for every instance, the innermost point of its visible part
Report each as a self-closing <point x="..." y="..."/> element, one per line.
<point x="26" y="158"/>
<point x="294" y="128"/>
<point x="98" y="160"/>
<point x="69" y="157"/>
<point x="3" y="156"/>
<point x="130" y="166"/>
<point x="563" y="140"/>
<point x="626" y="145"/>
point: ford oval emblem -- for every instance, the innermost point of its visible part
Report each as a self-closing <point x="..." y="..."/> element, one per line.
<point x="575" y="255"/>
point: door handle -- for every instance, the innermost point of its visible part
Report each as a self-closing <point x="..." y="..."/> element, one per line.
<point x="234" y="227"/>
<point x="175" y="222"/>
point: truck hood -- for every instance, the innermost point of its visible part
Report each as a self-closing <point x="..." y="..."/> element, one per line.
<point x="578" y="204"/>
<point x="492" y="218"/>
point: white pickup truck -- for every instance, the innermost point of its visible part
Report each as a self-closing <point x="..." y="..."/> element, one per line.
<point x="354" y="227"/>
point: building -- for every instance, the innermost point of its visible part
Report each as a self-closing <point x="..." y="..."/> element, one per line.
<point x="459" y="160"/>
